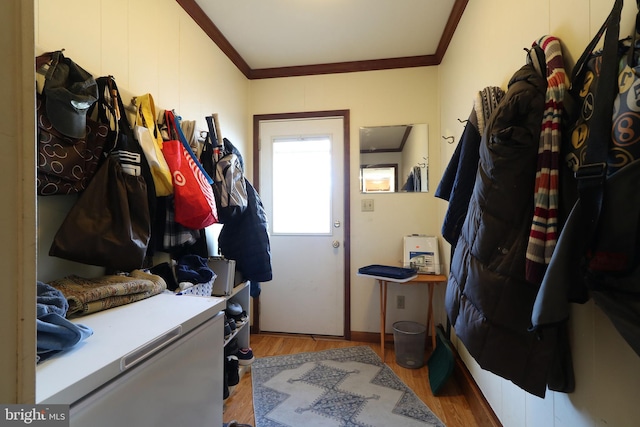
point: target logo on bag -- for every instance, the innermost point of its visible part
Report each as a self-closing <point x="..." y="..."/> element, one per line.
<point x="178" y="179"/>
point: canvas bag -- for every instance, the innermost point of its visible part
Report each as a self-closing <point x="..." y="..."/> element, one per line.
<point x="65" y="164"/>
<point x="624" y="145"/>
<point x="121" y="140"/>
<point x="110" y="223"/>
<point x="149" y="138"/>
<point x="229" y="185"/>
<point x="194" y="202"/>
<point x="598" y="252"/>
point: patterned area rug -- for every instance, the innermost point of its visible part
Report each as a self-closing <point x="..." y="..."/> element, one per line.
<point x="346" y="387"/>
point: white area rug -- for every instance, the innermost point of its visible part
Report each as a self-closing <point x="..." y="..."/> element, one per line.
<point x="347" y="387"/>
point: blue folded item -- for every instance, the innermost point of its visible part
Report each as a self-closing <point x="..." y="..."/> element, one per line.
<point x="50" y="300"/>
<point x="193" y="269"/>
<point x="387" y="271"/>
<point x="54" y="332"/>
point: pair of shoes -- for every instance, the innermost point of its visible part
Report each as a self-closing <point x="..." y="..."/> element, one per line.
<point x="235" y="424"/>
<point x="227" y="330"/>
<point x="241" y="318"/>
<point x="232" y="347"/>
<point x="231" y="370"/>
<point x="229" y="327"/>
<point x="245" y="356"/>
<point x="231" y="376"/>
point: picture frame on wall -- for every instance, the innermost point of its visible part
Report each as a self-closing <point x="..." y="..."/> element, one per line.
<point x="379" y="178"/>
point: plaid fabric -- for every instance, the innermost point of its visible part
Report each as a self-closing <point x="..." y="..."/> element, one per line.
<point x="544" y="228"/>
<point x="86" y="296"/>
<point x="176" y="235"/>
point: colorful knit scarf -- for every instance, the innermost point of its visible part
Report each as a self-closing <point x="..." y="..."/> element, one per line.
<point x="544" y="228"/>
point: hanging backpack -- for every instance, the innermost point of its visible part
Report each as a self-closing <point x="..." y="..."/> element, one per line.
<point x="229" y="187"/>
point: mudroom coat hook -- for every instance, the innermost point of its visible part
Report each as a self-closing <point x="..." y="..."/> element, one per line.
<point x="449" y="139"/>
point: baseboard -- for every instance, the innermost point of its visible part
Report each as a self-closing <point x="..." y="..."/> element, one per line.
<point x="479" y="405"/>
<point x="375" y="337"/>
<point x="480" y="408"/>
<point x="369" y="337"/>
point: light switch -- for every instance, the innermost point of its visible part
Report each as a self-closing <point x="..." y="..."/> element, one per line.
<point x="367" y="205"/>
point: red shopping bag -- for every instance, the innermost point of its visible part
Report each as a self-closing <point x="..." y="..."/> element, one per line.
<point x="194" y="203"/>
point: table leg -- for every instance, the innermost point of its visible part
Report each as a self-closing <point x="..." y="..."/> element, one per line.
<point x="383" y="314"/>
<point x="430" y="322"/>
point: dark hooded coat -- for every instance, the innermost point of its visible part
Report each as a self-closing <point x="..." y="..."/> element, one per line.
<point x="245" y="239"/>
<point x="488" y="300"/>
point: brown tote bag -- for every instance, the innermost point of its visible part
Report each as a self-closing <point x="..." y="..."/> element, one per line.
<point x="109" y="225"/>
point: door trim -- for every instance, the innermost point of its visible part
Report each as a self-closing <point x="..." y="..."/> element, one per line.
<point x="345" y="115"/>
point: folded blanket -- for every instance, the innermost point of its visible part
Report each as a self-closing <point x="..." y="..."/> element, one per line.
<point x="54" y="332"/>
<point x="87" y="296"/>
<point x="50" y="300"/>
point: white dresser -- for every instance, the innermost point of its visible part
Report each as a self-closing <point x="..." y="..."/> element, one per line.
<point x="156" y="362"/>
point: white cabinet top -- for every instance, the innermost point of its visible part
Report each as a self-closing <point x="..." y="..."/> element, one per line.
<point x="122" y="336"/>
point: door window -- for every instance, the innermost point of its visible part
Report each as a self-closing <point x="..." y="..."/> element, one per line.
<point x="302" y="185"/>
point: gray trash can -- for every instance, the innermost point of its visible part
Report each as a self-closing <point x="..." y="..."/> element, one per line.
<point x="409" y="342"/>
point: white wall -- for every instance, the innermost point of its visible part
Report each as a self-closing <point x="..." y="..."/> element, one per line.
<point x="374" y="98"/>
<point x="485" y="51"/>
<point x="106" y="37"/>
<point x="149" y="46"/>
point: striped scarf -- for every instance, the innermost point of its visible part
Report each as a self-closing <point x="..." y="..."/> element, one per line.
<point x="544" y="228"/>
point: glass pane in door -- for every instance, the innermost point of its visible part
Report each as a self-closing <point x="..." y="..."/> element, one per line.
<point x="302" y="186"/>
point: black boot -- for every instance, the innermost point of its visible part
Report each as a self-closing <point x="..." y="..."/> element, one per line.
<point x="225" y="389"/>
<point x="231" y="371"/>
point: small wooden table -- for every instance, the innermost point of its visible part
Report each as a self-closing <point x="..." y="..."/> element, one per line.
<point x="430" y="279"/>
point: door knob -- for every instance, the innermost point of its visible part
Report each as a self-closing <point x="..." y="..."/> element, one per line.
<point x="335" y="244"/>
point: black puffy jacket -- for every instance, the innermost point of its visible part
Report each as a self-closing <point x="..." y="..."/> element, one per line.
<point x="488" y="300"/>
<point x="245" y="239"/>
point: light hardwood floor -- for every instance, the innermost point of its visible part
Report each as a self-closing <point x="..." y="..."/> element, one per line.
<point x="450" y="406"/>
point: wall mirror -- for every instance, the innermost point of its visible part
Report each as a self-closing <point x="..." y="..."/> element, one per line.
<point x="394" y="159"/>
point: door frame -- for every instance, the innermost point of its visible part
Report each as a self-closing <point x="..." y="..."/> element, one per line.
<point x="345" y="115"/>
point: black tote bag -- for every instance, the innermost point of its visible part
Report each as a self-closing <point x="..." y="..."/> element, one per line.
<point x="109" y="225"/>
<point x="598" y="251"/>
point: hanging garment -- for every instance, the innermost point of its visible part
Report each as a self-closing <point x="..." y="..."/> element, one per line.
<point x="410" y="184"/>
<point x="544" y="227"/>
<point x="458" y="179"/>
<point x="488" y="299"/>
<point x="245" y="239"/>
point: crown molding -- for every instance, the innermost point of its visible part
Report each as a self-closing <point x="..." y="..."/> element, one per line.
<point x="200" y="18"/>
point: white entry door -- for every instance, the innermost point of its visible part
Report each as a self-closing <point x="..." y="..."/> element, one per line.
<point x="302" y="187"/>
